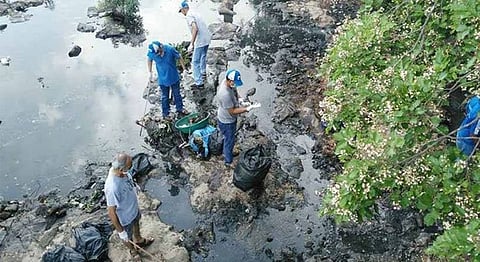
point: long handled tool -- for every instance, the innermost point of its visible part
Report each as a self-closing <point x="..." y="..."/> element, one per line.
<point x="144" y="111"/>
<point x="159" y="259"/>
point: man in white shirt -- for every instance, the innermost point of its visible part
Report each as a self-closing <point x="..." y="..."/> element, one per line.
<point x="122" y="205"/>
<point x="199" y="43"/>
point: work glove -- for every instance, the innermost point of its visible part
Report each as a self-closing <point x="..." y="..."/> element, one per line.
<point x="185" y="74"/>
<point x="123" y="236"/>
<point x="243" y="103"/>
<point x="252" y="106"/>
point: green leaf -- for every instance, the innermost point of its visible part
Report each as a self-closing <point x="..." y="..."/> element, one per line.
<point x="431" y="218"/>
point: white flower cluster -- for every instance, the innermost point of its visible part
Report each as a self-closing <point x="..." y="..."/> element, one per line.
<point x="334" y="205"/>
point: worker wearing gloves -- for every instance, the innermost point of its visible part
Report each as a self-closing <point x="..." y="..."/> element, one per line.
<point x="229" y="108"/>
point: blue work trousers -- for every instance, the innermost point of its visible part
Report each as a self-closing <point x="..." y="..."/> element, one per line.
<point x="166" y="98"/>
<point x="228" y="132"/>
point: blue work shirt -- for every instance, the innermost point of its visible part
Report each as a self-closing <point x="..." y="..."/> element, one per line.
<point x="166" y="65"/>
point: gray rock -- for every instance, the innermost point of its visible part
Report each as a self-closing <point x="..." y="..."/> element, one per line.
<point x="3" y="26"/>
<point x="223" y="30"/>
<point x="111" y="30"/>
<point x="12" y="208"/>
<point x="19" y="17"/>
<point x="4" y="215"/>
<point x="86" y="28"/>
<point x="92" y="11"/>
<point x="3" y="9"/>
<point x="294" y="168"/>
<point x="75" y="51"/>
<point x="233" y="53"/>
<point x="423" y="239"/>
<point x="300" y="150"/>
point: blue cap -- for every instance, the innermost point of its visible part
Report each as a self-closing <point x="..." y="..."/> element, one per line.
<point x="154" y="46"/>
<point x="184" y="4"/>
<point x="234" y="75"/>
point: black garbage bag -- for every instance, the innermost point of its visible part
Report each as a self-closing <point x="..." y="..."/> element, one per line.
<point x="252" y="168"/>
<point x="90" y="242"/>
<point x="140" y="165"/>
<point x="62" y="254"/>
<point x="215" y="143"/>
<point x="105" y="228"/>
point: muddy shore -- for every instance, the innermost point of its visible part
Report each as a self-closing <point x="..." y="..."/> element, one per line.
<point x="281" y="48"/>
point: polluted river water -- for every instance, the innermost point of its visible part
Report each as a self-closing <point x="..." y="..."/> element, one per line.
<point x="58" y="112"/>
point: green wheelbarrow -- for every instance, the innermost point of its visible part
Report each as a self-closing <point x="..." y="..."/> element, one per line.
<point x="192" y="122"/>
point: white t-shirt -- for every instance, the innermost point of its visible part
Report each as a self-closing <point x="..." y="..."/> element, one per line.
<point x="121" y="192"/>
<point x="203" y="35"/>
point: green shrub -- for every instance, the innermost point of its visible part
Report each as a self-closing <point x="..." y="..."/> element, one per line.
<point x="388" y="73"/>
<point x="126" y="10"/>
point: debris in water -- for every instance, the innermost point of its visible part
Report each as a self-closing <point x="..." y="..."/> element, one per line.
<point x="42" y="84"/>
<point x="3" y="26"/>
<point x="5" y="61"/>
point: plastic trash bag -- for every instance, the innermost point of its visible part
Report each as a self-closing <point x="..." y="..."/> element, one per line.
<point x="469" y="127"/>
<point x="140" y="165"/>
<point x="252" y="168"/>
<point x="90" y="242"/>
<point x="62" y="254"/>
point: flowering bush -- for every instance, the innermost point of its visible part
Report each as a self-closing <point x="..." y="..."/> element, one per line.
<point x="390" y="72"/>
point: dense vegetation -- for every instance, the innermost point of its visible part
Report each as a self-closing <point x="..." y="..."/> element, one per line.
<point x="390" y="72"/>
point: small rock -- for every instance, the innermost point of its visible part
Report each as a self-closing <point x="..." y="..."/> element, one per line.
<point x="300" y="150"/>
<point x="309" y="230"/>
<point x="423" y="239"/>
<point x="3" y="26"/>
<point x="4" y="215"/>
<point x="86" y="28"/>
<point x="269" y="253"/>
<point x="75" y="51"/>
<point x="269" y="239"/>
<point x="92" y="11"/>
<point x="11" y="208"/>
<point x="308" y="244"/>
<point x="259" y="78"/>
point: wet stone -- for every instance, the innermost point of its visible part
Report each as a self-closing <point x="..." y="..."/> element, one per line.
<point x="4" y="215"/>
<point x="12" y="208"/>
<point x="92" y="11"/>
<point x="300" y="150"/>
<point x="75" y="51"/>
<point x="294" y="167"/>
<point x="111" y="30"/>
<point x="269" y="253"/>
<point x="86" y="27"/>
<point x="19" y="17"/>
<point x="308" y="244"/>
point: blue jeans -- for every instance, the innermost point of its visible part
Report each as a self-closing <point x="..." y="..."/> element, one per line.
<point x="199" y="62"/>
<point x="176" y="96"/>
<point x="228" y="132"/>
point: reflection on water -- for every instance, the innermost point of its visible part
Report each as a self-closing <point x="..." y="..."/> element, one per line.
<point x="84" y="108"/>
